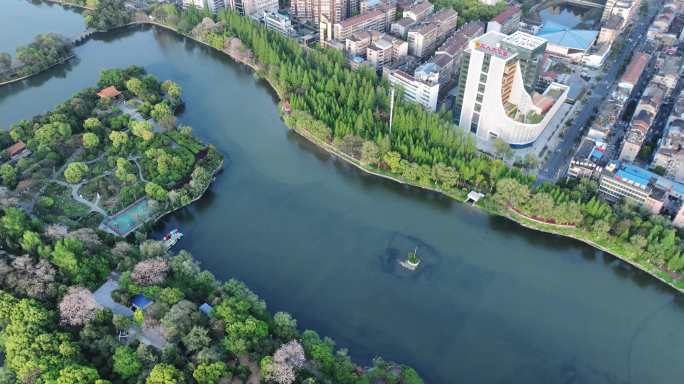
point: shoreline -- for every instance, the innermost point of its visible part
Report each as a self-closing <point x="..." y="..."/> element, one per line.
<point x="330" y="149"/>
<point x="18" y="79"/>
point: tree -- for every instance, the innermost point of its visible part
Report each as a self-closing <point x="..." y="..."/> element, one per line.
<point x="78" y="307"/>
<point x="284" y="326"/>
<point x="155" y="191"/>
<point x="75" y="171"/>
<point x="119" y="139"/>
<point x="165" y="374"/>
<point x="92" y="124"/>
<point x="502" y="149"/>
<point x="9" y="175"/>
<point x="172" y="90"/>
<point x="126" y="363"/>
<point x="163" y="114"/>
<point x="77" y="374"/>
<point x="196" y="339"/>
<point x="30" y="241"/>
<point x="393" y="161"/>
<point x="138" y="317"/>
<point x="142" y="129"/>
<point x="210" y="373"/>
<point x="108" y="14"/>
<point x="370" y="153"/>
<point x="150" y="272"/>
<point x="286" y="361"/>
<point x="90" y="140"/>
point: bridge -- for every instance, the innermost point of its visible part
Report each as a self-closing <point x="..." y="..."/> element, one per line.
<point x="586" y="3"/>
<point x="81" y="37"/>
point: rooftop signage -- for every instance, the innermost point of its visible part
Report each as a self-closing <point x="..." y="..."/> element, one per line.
<point x="493" y="50"/>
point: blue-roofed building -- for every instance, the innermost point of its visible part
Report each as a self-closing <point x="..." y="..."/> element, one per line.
<point x="140" y="302"/>
<point x="206" y="308"/>
<point x="567" y="41"/>
<point x="659" y="195"/>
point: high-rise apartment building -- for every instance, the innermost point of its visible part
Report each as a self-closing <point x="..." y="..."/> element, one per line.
<point x="419" y="11"/>
<point x="492" y="100"/>
<point x="315" y="11"/>
<point x="424" y="37"/>
<point x="377" y="19"/>
<point x="212" y="5"/>
<point x="253" y="8"/>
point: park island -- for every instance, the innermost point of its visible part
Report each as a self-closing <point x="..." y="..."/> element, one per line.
<point x="83" y="183"/>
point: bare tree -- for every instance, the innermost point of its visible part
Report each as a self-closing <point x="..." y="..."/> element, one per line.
<point x="78" y="307"/>
<point x="287" y="360"/>
<point x="150" y="271"/>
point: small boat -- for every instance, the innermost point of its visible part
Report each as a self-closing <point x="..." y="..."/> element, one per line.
<point x="171" y="238"/>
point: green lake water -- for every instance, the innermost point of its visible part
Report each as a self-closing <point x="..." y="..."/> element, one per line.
<point x="491" y="303"/>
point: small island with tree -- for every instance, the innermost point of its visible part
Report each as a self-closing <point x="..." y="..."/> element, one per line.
<point x="412" y="260"/>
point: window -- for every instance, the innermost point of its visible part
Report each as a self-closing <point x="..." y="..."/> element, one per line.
<point x="479" y="98"/>
<point x="483" y="78"/>
<point x="478" y="107"/>
<point x="481" y="88"/>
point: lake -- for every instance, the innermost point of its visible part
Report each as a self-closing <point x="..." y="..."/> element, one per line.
<point x="492" y="302"/>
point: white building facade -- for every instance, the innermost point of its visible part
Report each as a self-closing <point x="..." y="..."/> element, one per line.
<point x="422" y="89"/>
<point x="493" y="101"/>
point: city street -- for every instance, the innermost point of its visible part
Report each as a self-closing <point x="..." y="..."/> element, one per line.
<point x="556" y="164"/>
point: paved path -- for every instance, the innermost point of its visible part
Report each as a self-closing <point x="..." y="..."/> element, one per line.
<point x="78" y="197"/>
<point x="103" y="296"/>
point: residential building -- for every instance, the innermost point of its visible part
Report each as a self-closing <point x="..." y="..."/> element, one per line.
<point x="589" y="159"/>
<point x="492" y="100"/>
<point x="669" y="69"/>
<point x="448" y="55"/>
<point x="609" y="113"/>
<point x="279" y="23"/>
<point x="386" y="51"/>
<point x="212" y="5"/>
<point x="659" y="195"/>
<point x="507" y="21"/>
<point x="423" y="88"/>
<point x="316" y="10"/>
<point x="489" y="2"/>
<point x="633" y="72"/>
<point x="419" y="11"/>
<point x="670" y="152"/>
<point x="253" y="8"/>
<point x="401" y="27"/>
<point x="644" y="115"/>
<point x="424" y="37"/>
<point x="358" y="42"/>
<point x="377" y="19"/>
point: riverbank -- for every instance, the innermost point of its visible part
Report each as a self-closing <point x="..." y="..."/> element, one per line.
<point x="18" y="79"/>
<point x="577" y="234"/>
<point x="66" y="3"/>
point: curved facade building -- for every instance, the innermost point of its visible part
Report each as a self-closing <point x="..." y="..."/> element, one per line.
<point x="493" y="99"/>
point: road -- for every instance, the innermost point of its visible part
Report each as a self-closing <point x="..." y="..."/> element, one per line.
<point x="556" y="164"/>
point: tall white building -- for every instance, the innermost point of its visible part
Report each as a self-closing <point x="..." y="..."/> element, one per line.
<point x="212" y="5"/>
<point x="492" y="101"/>
<point x="254" y="8"/>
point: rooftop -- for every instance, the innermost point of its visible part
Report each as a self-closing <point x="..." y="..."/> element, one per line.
<point x="524" y="40"/>
<point x="362" y="18"/>
<point x="561" y="35"/>
<point x="110" y="91"/>
<point x="16" y="148"/>
<point x="506" y="14"/>
<point x="635" y="68"/>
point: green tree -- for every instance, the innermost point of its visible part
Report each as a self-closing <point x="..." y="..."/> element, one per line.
<point x="90" y="140"/>
<point x="75" y="171"/>
<point x="210" y="373"/>
<point x="119" y="139"/>
<point x="156" y="192"/>
<point x="9" y="175"/>
<point x="502" y="149"/>
<point x="142" y="129"/>
<point x="165" y="374"/>
<point x="30" y="241"/>
<point x="92" y="124"/>
<point x="126" y="363"/>
<point x="139" y="317"/>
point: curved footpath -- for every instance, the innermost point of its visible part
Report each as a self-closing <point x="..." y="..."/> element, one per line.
<point x="651" y="270"/>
